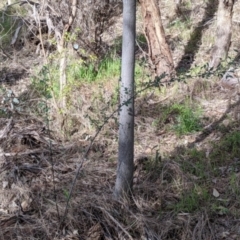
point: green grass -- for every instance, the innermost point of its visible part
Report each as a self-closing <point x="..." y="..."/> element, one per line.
<point x="9" y="21"/>
<point x="188" y="119"/>
<point x="193" y="200"/>
<point x="224" y="155"/>
<point x="187" y="4"/>
<point x="141" y="39"/>
<point x="182" y="118"/>
<point x="78" y="71"/>
<point x="108" y="68"/>
<point x="195" y="163"/>
<point x="47" y="81"/>
<point x="7" y="27"/>
<point x="183" y="27"/>
<point x="234" y="184"/>
<point x="226" y="149"/>
<point x="219" y="208"/>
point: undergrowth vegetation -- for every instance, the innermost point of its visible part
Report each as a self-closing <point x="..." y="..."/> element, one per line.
<point x="7" y="27"/>
<point x="11" y="20"/>
<point x="182" y="119"/>
<point x="187" y="120"/>
<point x="185" y="180"/>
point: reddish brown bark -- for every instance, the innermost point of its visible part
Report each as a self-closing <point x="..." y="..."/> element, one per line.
<point x="159" y="51"/>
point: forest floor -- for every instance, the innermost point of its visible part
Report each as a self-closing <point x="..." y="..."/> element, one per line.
<point x="187" y="146"/>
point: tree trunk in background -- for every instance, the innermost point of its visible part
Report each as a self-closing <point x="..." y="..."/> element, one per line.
<point x="177" y="7"/>
<point x="62" y="74"/>
<point x="62" y="52"/>
<point x="224" y="32"/>
<point x="125" y="168"/>
<point x="159" y="51"/>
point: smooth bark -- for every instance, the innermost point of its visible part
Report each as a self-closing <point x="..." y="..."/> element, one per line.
<point x="62" y="51"/>
<point x="124" y="180"/>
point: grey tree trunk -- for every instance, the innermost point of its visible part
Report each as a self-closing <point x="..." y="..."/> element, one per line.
<point x="62" y="51"/>
<point x="124" y="180"/>
<point x="224" y="32"/>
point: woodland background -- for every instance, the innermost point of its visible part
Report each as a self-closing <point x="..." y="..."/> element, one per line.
<point x="59" y="91"/>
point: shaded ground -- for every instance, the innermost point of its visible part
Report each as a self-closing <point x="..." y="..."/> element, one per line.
<point x="11" y="76"/>
<point x="173" y="197"/>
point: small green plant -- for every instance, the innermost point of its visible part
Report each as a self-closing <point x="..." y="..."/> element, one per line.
<point x="185" y="119"/>
<point x="10" y="18"/>
<point x="195" y="163"/>
<point x="109" y="67"/>
<point x="43" y="88"/>
<point x="192" y="200"/>
<point x="89" y="72"/>
<point x="43" y="84"/>
<point x="232" y="143"/>
<point x="187" y="4"/>
<point x="219" y="209"/>
<point x="79" y="71"/>
<point x="141" y="38"/>
<point x="66" y="193"/>
<point x="6" y="26"/>
<point x="183" y="27"/>
<point x="234" y="184"/>
<point x="188" y="120"/>
<point x="153" y="164"/>
<point x="226" y="149"/>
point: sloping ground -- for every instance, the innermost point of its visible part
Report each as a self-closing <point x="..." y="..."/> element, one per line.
<point x="186" y="186"/>
<point x="175" y="196"/>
